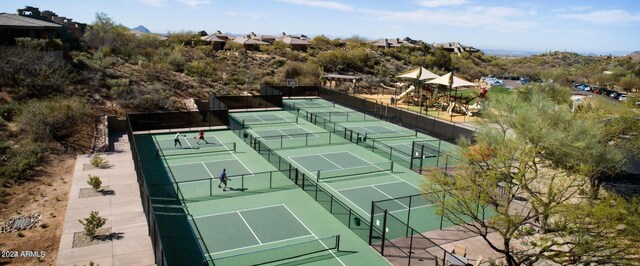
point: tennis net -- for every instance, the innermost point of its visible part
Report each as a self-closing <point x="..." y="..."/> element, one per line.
<point x="276" y="254"/>
<point x="287" y="120"/>
<point x="211" y="148"/>
<point x="315" y="105"/>
<point x="394" y="134"/>
<point x="360" y="170"/>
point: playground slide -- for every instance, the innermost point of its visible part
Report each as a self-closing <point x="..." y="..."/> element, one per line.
<point x="410" y="89"/>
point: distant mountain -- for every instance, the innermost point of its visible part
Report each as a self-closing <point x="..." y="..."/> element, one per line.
<point x="636" y="53"/>
<point x="508" y="53"/>
<point x="141" y="29"/>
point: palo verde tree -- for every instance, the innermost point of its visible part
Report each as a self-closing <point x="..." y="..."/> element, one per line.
<point x="509" y="187"/>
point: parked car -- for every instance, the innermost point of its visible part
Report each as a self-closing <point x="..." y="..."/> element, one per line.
<point x="494" y="82"/>
<point x="524" y="80"/>
<point x="622" y="97"/>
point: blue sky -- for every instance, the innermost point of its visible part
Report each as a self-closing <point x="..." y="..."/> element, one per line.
<point x="599" y="26"/>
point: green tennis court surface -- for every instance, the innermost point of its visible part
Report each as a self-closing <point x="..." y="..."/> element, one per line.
<point x="262" y="218"/>
<point x="359" y="177"/>
<point x="262" y="117"/>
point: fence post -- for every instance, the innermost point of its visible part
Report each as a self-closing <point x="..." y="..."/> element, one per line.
<point x="373" y="204"/>
<point x="331" y="204"/>
<point x="384" y="232"/>
<point x="410" y="246"/>
<point x="444" y="196"/>
<point x="409" y="215"/>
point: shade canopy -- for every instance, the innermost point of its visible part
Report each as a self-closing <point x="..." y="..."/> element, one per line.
<point x="419" y="73"/>
<point x="457" y="82"/>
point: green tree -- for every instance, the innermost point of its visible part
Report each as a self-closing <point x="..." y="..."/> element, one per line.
<point x="615" y="144"/>
<point x="441" y="59"/>
<point x="108" y="37"/>
<point x="513" y="185"/>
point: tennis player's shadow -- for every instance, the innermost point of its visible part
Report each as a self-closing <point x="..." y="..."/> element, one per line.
<point x="236" y="189"/>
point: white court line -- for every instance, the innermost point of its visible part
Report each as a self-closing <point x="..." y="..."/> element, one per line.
<point x="329" y="160"/>
<point x="205" y="168"/>
<point x="185" y="139"/>
<point x="248" y="226"/>
<point x="234" y="156"/>
<point x="321" y="153"/>
<point x="349" y="200"/>
<point x="391" y="173"/>
<point x="314" y="235"/>
<point x="305" y="169"/>
<point x="203" y="162"/>
<point x="264" y="244"/>
<point x="249" y="209"/>
<point x="389" y="196"/>
<point x="385" y="183"/>
<point x="417" y="207"/>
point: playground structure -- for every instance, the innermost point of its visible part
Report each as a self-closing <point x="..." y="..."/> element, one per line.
<point x="429" y="97"/>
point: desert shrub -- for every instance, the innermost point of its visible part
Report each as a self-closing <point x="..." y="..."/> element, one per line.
<point x="22" y="160"/>
<point x="277" y="63"/>
<point x="99" y="161"/>
<point x="3" y="195"/>
<point x="276" y="47"/>
<point x="95" y="182"/>
<point x="149" y="98"/>
<point x="234" y="46"/>
<point x="183" y="38"/>
<point x="92" y="224"/>
<point x="321" y="42"/>
<point x="111" y="83"/>
<point x="306" y="74"/>
<point x="176" y="60"/>
<point x="629" y="83"/>
<point x="9" y="110"/>
<point x="340" y="60"/>
<point x="32" y="44"/>
<point x="33" y="73"/>
<point x="204" y="68"/>
<point x="55" y="119"/>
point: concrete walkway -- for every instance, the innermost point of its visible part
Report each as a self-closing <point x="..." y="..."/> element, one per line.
<point x="123" y="211"/>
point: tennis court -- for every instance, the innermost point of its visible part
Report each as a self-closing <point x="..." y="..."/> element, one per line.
<point x="356" y="175"/>
<point x="258" y="118"/>
<point x="263" y="218"/>
<point x="309" y="103"/>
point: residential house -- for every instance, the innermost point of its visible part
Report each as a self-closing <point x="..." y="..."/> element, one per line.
<point x="397" y="42"/>
<point x="456" y="47"/>
<point x="71" y="32"/>
<point x="263" y="38"/>
<point x="249" y="43"/>
<point x="217" y="40"/>
<point x="14" y="26"/>
<point x="295" y="42"/>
